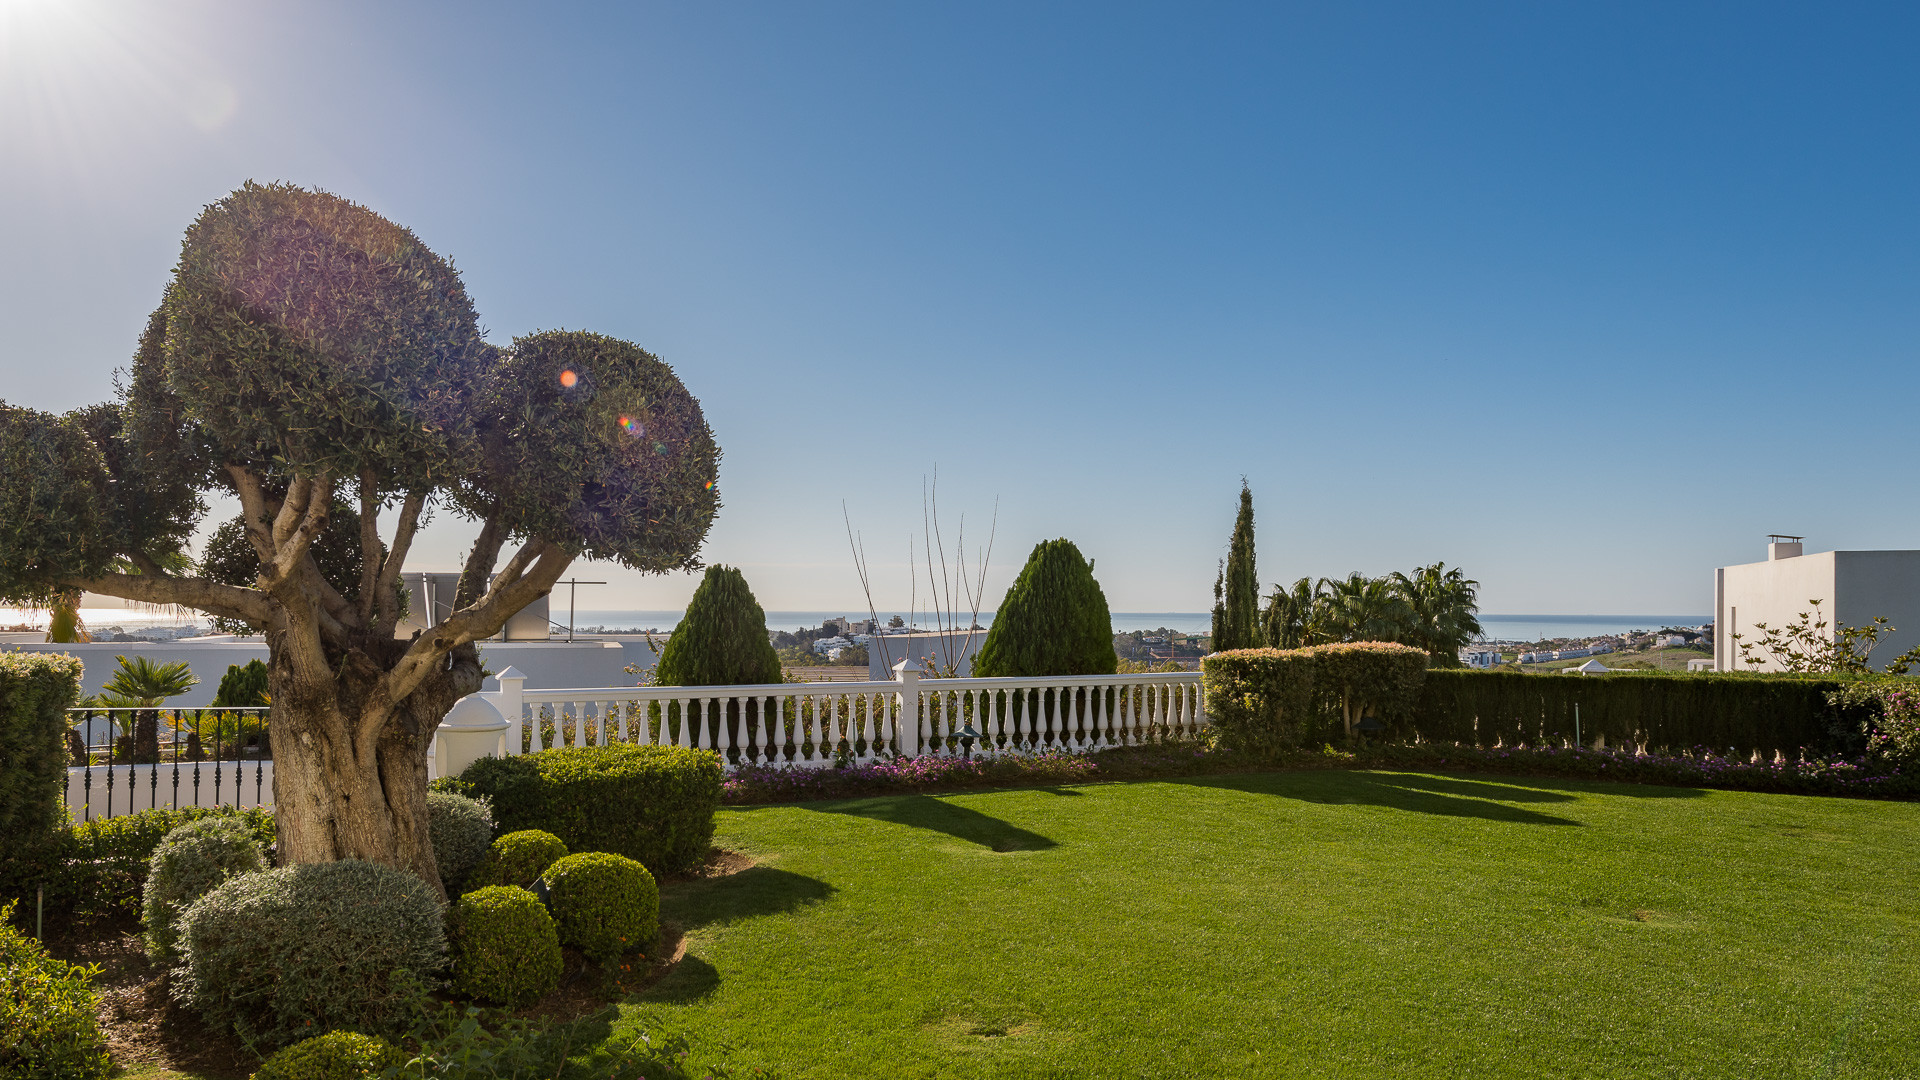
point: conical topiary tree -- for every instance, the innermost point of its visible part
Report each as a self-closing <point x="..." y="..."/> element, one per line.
<point x="1054" y="620"/>
<point x="722" y="640"/>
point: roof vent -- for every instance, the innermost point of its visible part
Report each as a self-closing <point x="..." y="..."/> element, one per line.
<point x="1784" y="547"/>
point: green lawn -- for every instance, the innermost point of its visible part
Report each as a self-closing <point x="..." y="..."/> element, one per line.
<point x="1324" y="924"/>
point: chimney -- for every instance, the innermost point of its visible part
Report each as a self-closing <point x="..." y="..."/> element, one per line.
<point x="1783" y="547"/>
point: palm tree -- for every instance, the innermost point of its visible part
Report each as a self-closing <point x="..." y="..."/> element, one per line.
<point x="1360" y="608"/>
<point x="1289" y="622"/>
<point x="146" y="686"/>
<point x="1443" y="611"/>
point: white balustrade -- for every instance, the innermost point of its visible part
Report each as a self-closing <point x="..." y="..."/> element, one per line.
<point x="821" y="724"/>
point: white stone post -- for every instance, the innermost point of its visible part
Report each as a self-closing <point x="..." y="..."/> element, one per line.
<point x="508" y="699"/>
<point x="906" y="722"/>
<point x="472" y="730"/>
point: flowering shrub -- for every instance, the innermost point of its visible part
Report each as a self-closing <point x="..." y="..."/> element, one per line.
<point x="789" y="783"/>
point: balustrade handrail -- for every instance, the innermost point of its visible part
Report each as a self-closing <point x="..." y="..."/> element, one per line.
<point x="875" y="686"/>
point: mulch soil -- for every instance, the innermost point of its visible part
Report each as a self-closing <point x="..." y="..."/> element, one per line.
<point x="146" y="1026"/>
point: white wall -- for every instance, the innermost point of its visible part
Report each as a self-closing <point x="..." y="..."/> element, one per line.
<point x="547" y="664"/>
<point x="932" y="650"/>
<point x="1852" y="586"/>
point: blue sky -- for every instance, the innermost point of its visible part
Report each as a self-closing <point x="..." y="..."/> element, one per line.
<point x="1586" y="300"/>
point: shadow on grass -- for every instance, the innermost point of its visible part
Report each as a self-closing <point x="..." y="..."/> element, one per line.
<point x="938" y="815"/>
<point x="755" y="891"/>
<point x="1391" y="790"/>
<point x="690" y="980"/>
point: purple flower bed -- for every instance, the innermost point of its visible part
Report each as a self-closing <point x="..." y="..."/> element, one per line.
<point x="787" y="783"/>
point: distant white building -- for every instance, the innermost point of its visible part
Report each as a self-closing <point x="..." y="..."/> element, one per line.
<point x="1480" y="659"/>
<point x="1853" y="587"/>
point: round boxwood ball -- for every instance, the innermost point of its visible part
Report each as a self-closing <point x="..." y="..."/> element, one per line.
<point x="188" y="863"/>
<point x="337" y="1055"/>
<point x="518" y="858"/>
<point x="460" y="830"/>
<point x="277" y="954"/>
<point x="506" y="949"/>
<point x="605" y="904"/>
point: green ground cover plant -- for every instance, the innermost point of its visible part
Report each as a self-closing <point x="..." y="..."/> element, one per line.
<point x="1329" y="923"/>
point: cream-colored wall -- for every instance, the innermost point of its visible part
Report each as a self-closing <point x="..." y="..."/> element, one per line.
<point x="1852" y="586"/>
<point x="1774" y="593"/>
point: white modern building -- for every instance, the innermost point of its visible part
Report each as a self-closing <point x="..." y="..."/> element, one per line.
<point x="1853" y="588"/>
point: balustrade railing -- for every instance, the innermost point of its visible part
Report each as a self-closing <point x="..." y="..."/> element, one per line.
<point x="819" y="724"/>
<point x="123" y="760"/>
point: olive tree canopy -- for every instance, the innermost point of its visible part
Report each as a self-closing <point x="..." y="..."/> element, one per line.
<point x="308" y="351"/>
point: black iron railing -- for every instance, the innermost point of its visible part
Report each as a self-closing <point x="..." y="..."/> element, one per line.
<point x="121" y="760"/>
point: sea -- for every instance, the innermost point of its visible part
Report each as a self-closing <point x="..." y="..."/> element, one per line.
<point x="1497" y="627"/>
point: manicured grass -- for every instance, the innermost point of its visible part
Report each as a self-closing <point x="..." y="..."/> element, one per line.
<point x="1324" y="924"/>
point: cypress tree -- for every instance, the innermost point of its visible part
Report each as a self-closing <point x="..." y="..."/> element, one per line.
<point x="1054" y="620"/>
<point x="722" y="640"/>
<point x="1241" y="618"/>
<point x="1219" y="631"/>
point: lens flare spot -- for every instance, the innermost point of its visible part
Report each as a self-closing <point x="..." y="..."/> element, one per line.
<point x="709" y="485"/>
<point x="568" y="378"/>
<point x="632" y="427"/>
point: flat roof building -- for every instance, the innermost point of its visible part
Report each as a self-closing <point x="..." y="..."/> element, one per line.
<point x="1853" y="588"/>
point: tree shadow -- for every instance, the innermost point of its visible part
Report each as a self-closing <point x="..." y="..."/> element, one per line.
<point x="938" y="815"/>
<point x="1371" y="789"/>
<point x="755" y="891"/>
<point x="1479" y="789"/>
<point x="690" y="980"/>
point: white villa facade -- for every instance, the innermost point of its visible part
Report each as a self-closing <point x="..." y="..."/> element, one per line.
<point x="1853" y="587"/>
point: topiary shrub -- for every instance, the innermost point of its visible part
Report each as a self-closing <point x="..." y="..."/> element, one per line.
<point x="188" y="864"/>
<point x="1260" y="701"/>
<point x="518" y="858"/>
<point x="604" y="904"/>
<point x="49" y="1012"/>
<point x="650" y="803"/>
<point x="1054" y="620"/>
<point x="461" y="830"/>
<point x="506" y="947"/>
<point x="722" y="639"/>
<point x="337" y="1055"/>
<point x="98" y="869"/>
<point x="276" y="954"/>
<point x="35" y="692"/>
<point x="1360" y="679"/>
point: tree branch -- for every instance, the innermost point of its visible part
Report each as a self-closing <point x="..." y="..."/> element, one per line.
<point x="294" y="533"/>
<point x="389" y="577"/>
<point x="370" y="565"/>
<point x="254" y="512"/>
<point x="145" y="562"/>
<point x="226" y="601"/>
<point x="486" y="552"/>
<point x="484" y="618"/>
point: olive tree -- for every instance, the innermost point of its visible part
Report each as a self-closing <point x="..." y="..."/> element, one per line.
<point x="307" y="350"/>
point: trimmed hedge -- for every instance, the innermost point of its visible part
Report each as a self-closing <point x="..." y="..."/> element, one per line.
<point x="276" y="954"/>
<point x="1264" y="701"/>
<point x="518" y="858"/>
<point x="506" y="947"/>
<point x="99" y="868"/>
<point x="604" y="904"/>
<point x="35" y="691"/>
<point x="1260" y="700"/>
<point x="653" y="804"/>
<point x="49" y="1013"/>
<point x="337" y="1055"/>
<point x="1721" y="710"/>
<point x="190" y="863"/>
